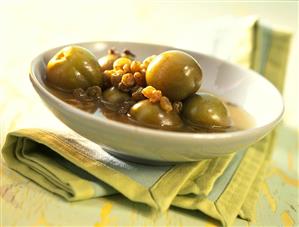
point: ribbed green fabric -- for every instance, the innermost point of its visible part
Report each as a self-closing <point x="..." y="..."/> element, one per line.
<point x="270" y="54"/>
<point x="39" y="154"/>
<point x="270" y="57"/>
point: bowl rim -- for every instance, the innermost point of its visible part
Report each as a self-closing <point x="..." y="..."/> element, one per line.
<point x="149" y="131"/>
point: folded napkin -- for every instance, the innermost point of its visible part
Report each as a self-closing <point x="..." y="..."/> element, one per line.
<point x="76" y="169"/>
<point x="223" y="188"/>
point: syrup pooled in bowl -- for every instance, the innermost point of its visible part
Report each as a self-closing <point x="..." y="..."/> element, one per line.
<point x="162" y="92"/>
<point x="241" y="119"/>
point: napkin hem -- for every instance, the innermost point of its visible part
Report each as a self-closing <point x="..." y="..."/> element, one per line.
<point x="170" y="184"/>
<point x="137" y="192"/>
<point x="250" y="166"/>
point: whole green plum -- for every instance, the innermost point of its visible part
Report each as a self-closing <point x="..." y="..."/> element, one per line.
<point x="152" y="115"/>
<point x="74" y="67"/>
<point x="206" y="110"/>
<point x="106" y="62"/>
<point x="175" y="73"/>
<point x="115" y="96"/>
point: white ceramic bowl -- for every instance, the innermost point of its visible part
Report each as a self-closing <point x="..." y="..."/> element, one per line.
<point x="235" y="84"/>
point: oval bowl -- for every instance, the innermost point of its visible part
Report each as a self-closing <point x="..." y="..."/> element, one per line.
<point x="233" y="83"/>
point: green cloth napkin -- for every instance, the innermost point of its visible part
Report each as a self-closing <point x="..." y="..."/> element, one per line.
<point x="223" y="188"/>
<point x="56" y="161"/>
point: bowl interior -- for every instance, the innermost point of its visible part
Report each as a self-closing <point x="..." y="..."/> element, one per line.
<point x="240" y="86"/>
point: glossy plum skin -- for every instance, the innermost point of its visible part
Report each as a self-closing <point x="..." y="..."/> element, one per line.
<point x="175" y="73"/>
<point x="152" y="115"/>
<point x="115" y="96"/>
<point x="74" y="67"/>
<point x="106" y="62"/>
<point x="206" y="110"/>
